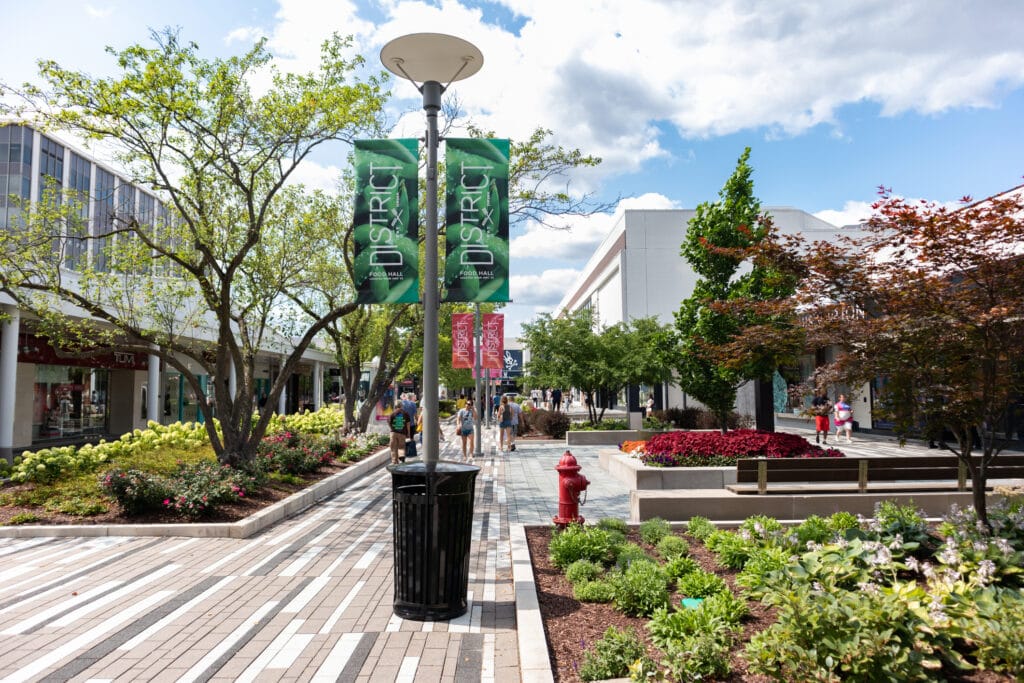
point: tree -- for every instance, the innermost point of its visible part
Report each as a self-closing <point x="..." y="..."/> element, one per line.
<point x="720" y="241"/>
<point x="932" y="300"/>
<point x="568" y="352"/>
<point x="203" y="287"/>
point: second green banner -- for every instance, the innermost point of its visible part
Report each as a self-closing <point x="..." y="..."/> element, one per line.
<point x="476" y="211"/>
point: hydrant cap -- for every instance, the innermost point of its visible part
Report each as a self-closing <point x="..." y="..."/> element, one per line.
<point x="568" y="463"/>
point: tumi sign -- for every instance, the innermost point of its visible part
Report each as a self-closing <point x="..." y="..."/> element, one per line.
<point x="39" y="351"/>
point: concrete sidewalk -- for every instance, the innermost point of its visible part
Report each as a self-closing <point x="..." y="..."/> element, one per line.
<point x="308" y="599"/>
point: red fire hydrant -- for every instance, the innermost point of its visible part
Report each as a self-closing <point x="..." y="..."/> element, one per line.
<point x="570" y="485"/>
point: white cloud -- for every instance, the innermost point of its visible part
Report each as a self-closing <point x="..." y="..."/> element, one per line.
<point x="585" y="233"/>
<point x="244" y="34"/>
<point x="98" y="12"/>
<point x="852" y="213"/>
<point x="543" y="291"/>
<point x="316" y="176"/>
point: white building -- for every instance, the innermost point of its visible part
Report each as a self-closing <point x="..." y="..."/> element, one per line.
<point x="638" y="272"/>
<point x="47" y="399"/>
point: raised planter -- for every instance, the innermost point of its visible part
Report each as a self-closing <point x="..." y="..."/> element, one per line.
<point x="638" y="476"/>
<point x="607" y="437"/>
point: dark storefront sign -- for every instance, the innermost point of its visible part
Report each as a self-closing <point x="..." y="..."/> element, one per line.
<point x="39" y="351"/>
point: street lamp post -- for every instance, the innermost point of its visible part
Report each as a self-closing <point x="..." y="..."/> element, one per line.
<point x="430" y="58"/>
<point x="432" y="499"/>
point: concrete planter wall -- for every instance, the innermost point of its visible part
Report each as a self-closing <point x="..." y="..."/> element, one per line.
<point x="609" y="437"/>
<point x="638" y="476"/>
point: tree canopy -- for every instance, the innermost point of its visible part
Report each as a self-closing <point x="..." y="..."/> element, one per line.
<point x="200" y="283"/>
<point x="726" y="303"/>
<point x="931" y="299"/>
<point x="569" y="352"/>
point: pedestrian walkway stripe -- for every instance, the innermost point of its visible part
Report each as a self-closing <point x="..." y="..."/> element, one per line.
<point x="370" y="555"/>
<point x="270" y="653"/>
<point x="407" y="673"/>
<point x="209" y="569"/>
<point x="205" y="593"/>
<point x="199" y="669"/>
<point x="131" y="586"/>
<point x="332" y="668"/>
<point x="60" y="608"/>
<point x="24" y="544"/>
<point x="45" y="661"/>
<point x="92" y="548"/>
<point x="340" y="609"/>
<point x="176" y="547"/>
<point x="303" y="559"/>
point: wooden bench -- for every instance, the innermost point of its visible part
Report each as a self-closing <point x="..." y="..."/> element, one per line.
<point x="810" y="475"/>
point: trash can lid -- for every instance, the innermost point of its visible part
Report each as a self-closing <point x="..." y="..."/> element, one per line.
<point x="440" y="467"/>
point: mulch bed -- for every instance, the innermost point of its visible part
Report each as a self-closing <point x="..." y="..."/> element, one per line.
<point x="571" y="627"/>
<point x="232" y="512"/>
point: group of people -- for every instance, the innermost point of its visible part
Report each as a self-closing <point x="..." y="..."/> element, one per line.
<point x="551" y="399"/>
<point x="841" y="413"/>
<point x="508" y="415"/>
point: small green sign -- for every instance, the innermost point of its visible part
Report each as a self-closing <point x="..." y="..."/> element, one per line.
<point x="476" y="211"/>
<point x="386" y="220"/>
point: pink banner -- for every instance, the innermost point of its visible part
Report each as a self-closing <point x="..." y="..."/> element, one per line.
<point x="492" y="342"/>
<point x="462" y="340"/>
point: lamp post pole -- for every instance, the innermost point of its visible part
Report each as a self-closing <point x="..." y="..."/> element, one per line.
<point x="431" y="299"/>
<point x="477" y="445"/>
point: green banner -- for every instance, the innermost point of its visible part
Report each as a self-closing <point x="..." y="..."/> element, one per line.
<point x="476" y="249"/>
<point x="386" y="220"/>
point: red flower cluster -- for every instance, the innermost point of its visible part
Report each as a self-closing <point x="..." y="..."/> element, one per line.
<point x="665" y="449"/>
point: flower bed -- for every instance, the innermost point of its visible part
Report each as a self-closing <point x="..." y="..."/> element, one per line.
<point x="838" y="598"/>
<point x="702" y="449"/>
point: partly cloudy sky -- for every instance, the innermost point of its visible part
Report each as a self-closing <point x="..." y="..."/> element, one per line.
<point x="835" y="98"/>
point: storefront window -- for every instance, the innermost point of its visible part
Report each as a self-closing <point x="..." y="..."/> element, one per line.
<point x="69" y="402"/>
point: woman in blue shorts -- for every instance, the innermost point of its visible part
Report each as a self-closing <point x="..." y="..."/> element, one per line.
<point x="466" y="421"/>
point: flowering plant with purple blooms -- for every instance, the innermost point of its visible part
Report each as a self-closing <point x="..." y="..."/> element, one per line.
<point x="692" y="449"/>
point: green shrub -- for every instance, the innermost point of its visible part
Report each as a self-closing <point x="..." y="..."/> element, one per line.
<point x="698" y="657"/>
<point x="761" y="527"/>
<point x="669" y="627"/>
<point x="23" y="518"/>
<point x="840" y="522"/>
<point x="995" y="634"/>
<point x="197" y="489"/>
<point x="731" y="549"/>
<point x="136" y="492"/>
<point x="577" y="542"/>
<point x="761" y="565"/>
<point x="612" y="655"/>
<point x="814" y="529"/>
<point x="594" y="591"/>
<point x="628" y="553"/>
<point x="583" y="570"/>
<point x="77" y="506"/>
<point x="547" y="422"/>
<point x="673" y="546"/>
<point x="726" y="606"/>
<point x="700" y="528"/>
<point x="827" y="633"/>
<point x="600" y="425"/>
<point x="892" y="519"/>
<point x="700" y="584"/>
<point x="613" y="524"/>
<point x="680" y="566"/>
<point x="641" y="588"/>
<point x="654" y="529"/>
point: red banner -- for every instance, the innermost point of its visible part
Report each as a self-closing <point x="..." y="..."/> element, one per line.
<point x="492" y="342"/>
<point x="462" y="340"/>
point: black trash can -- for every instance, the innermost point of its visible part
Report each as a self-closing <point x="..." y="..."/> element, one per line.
<point x="433" y="526"/>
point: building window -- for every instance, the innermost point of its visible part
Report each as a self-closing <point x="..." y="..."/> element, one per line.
<point x="103" y="212"/>
<point x="15" y="172"/>
<point x="69" y="401"/>
<point x="77" y="242"/>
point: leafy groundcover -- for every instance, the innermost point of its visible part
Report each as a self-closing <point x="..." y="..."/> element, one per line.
<point x="890" y="598"/>
<point x="696" y="449"/>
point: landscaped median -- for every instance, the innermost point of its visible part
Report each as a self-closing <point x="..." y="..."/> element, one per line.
<point x="165" y="480"/>
<point x="885" y="598"/>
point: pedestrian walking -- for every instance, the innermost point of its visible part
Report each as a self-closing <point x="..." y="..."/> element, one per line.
<point x="517" y="413"/>
<point x="401" y="431"/>
<point x="504" y="425"/>
<point x="466" y="419"/>
<point x="556" y="400"/>
<point x="843" y="418"/>
<point x="821" y="408"/>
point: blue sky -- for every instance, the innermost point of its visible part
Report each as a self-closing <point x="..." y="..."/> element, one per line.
<point x="834" y="98"/>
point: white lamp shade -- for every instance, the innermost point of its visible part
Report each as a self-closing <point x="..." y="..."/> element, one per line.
<point x="431" y="57"/>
